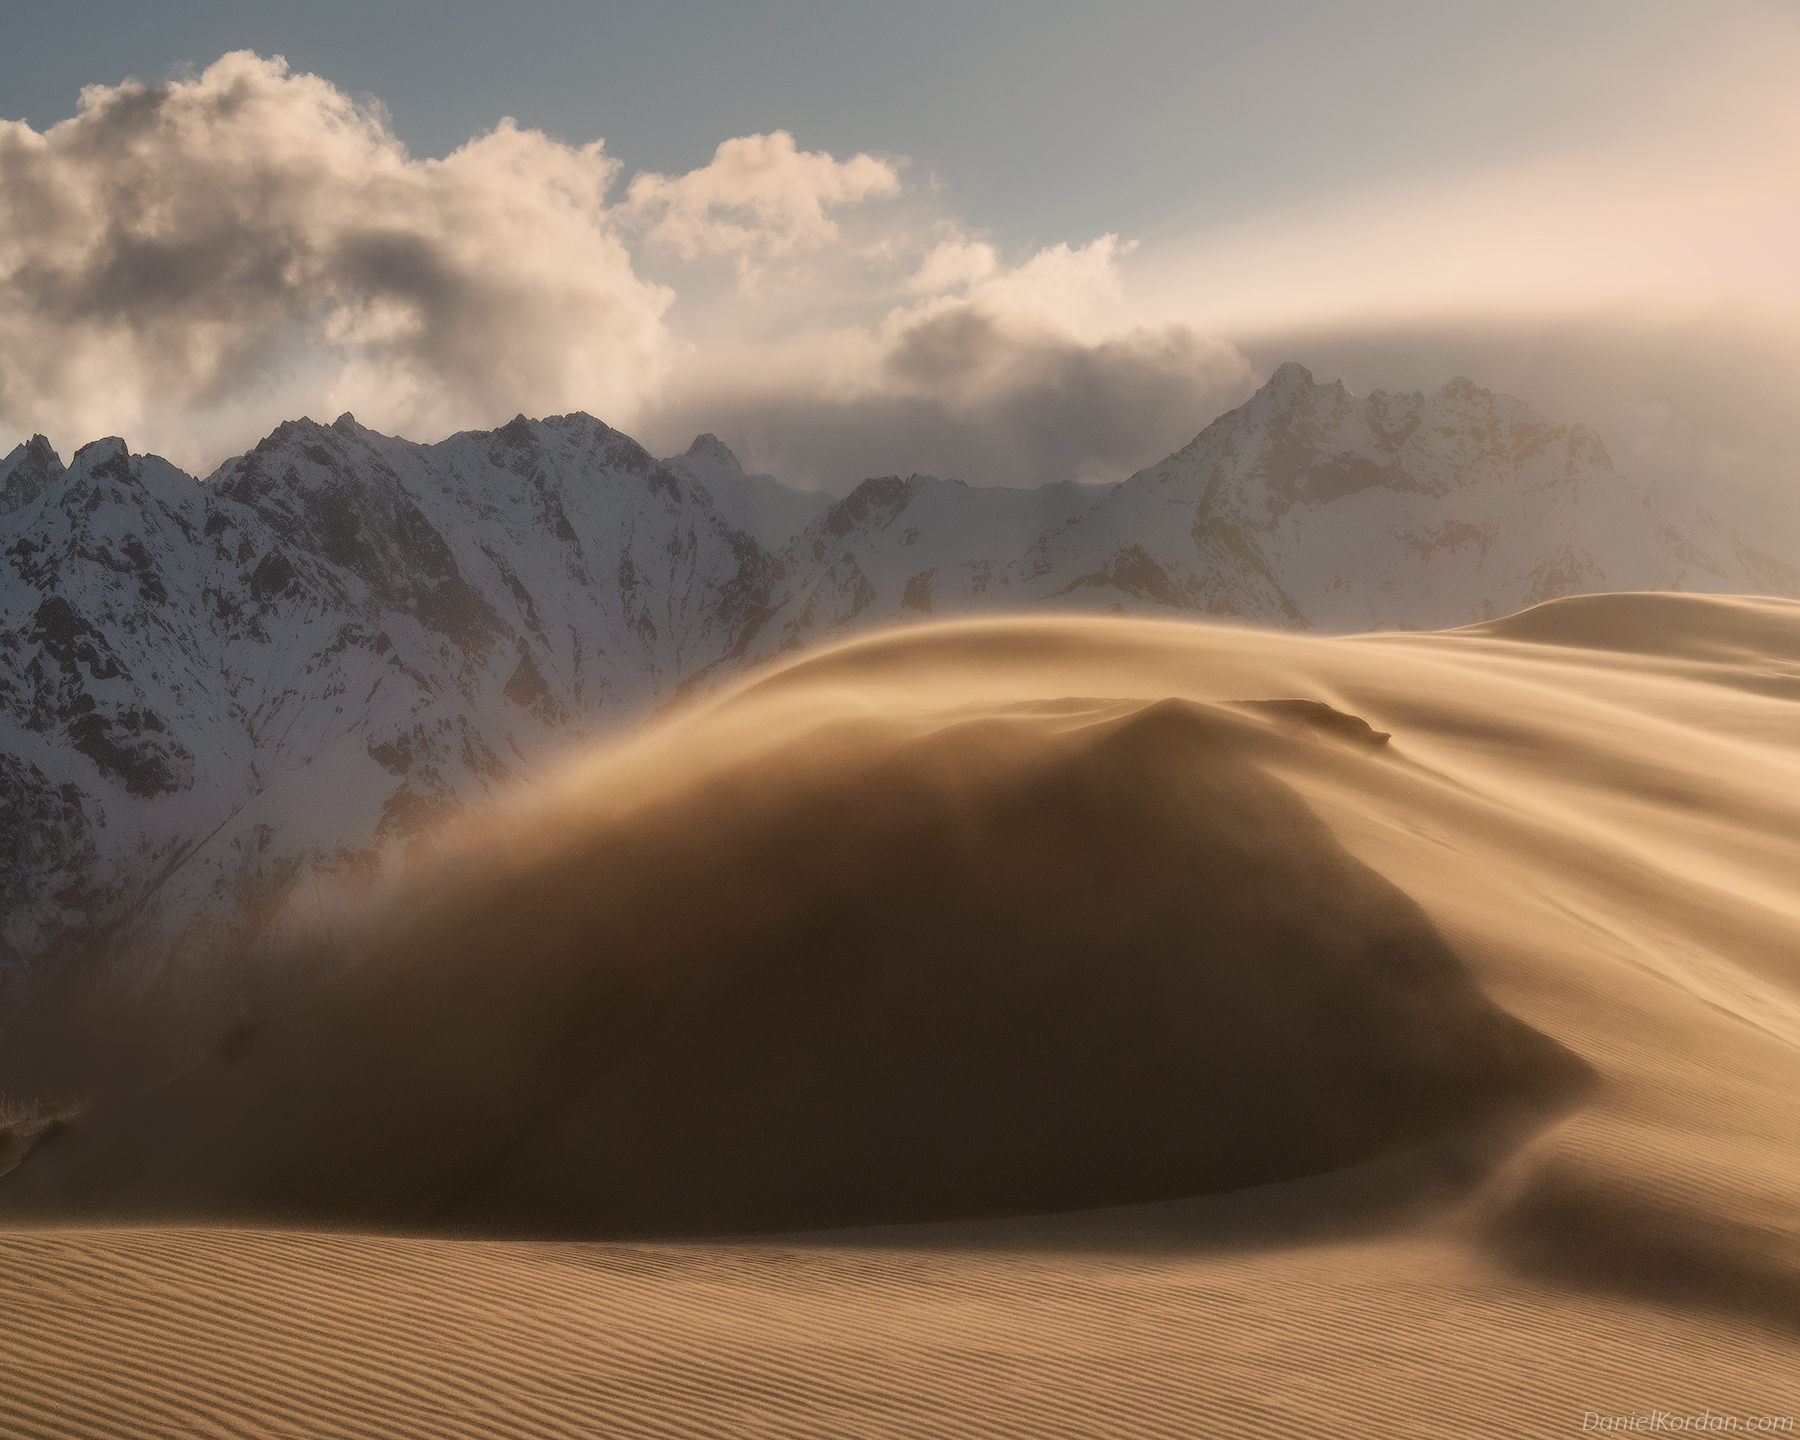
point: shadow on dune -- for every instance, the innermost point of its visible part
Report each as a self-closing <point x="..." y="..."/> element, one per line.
<point x="1388" y="1195"/>
<point x="995" y="970"/>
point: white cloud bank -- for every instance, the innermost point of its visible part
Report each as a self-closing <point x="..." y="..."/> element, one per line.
<point x="188" y="263"/>
<point x="760" y="197"/>
<point x="184" y="262"/>
<point x="1022" y="374"/>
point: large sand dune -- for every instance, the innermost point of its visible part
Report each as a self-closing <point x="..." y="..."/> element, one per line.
<point x="1014" y="964"/>
<point x="1021" y="916"/>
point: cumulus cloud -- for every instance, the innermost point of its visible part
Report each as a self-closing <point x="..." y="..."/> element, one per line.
<point x="182" y="256"/>
<point x="189" y="263"/>
<point x="952" y="264"/>
<point x="760" y="197"/>
<point x="1056" y="410"/>
<point x="1001" y="374"/>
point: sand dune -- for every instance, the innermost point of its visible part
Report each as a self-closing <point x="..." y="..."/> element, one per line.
<point x="1024" y="915"/>
<point x="1011" y="965"/>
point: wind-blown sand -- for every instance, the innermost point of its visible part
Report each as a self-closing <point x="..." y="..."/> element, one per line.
<point x="971" y="920"/>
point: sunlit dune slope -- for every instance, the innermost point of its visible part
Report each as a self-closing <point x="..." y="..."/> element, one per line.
<point x="1011" y="964"/>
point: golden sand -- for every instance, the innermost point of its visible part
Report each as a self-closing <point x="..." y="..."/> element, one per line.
<point x="1582" y="839"/>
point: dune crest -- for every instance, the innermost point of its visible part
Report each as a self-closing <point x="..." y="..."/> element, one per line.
<point x="1001" y="967"/>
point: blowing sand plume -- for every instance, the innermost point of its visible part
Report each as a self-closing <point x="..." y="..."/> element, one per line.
<point x="1006" y="966"/>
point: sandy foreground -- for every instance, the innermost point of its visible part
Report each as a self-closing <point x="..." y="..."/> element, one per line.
<point x="1583" y="837"/>
<point x="223" y="1332"/>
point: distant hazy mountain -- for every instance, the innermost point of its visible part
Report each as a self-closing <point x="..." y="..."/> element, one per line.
<point x="225" y="705"/>
<point x="759" y="505"/>
<point x="1305" y="508"/>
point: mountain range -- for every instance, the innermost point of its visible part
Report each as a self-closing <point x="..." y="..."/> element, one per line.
<point x="227" y="705"/>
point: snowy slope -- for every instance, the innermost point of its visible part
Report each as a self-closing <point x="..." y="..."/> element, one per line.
<point x="238" y="699"/>
<point x="226" y="707"/>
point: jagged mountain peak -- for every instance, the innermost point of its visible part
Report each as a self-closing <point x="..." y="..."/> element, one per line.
<point x="1461" y="387"/>
<point x="36" y="451"/>
<point x="517" y="431"/>
<point x="25" y="473"/>
<point x="98" y="452"/>
<point x="1298" y="416"/>
<point x="1290" y="397"/>
<point x="761" y="506"/>
<point x="526" y="441"/>
<point x="1289" y="376"/>
<point x="713" y="453"/>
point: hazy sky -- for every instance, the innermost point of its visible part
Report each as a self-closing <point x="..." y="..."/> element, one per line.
<point x="1006" y="241"/>
<point x="1045" y="121"/>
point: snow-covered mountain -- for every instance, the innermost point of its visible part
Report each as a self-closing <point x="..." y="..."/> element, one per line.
<point x="226" y="706"/>
<point x="231" y="700"/>
<point x="1304" y="508"/>
<point x="1310" y="507"/>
